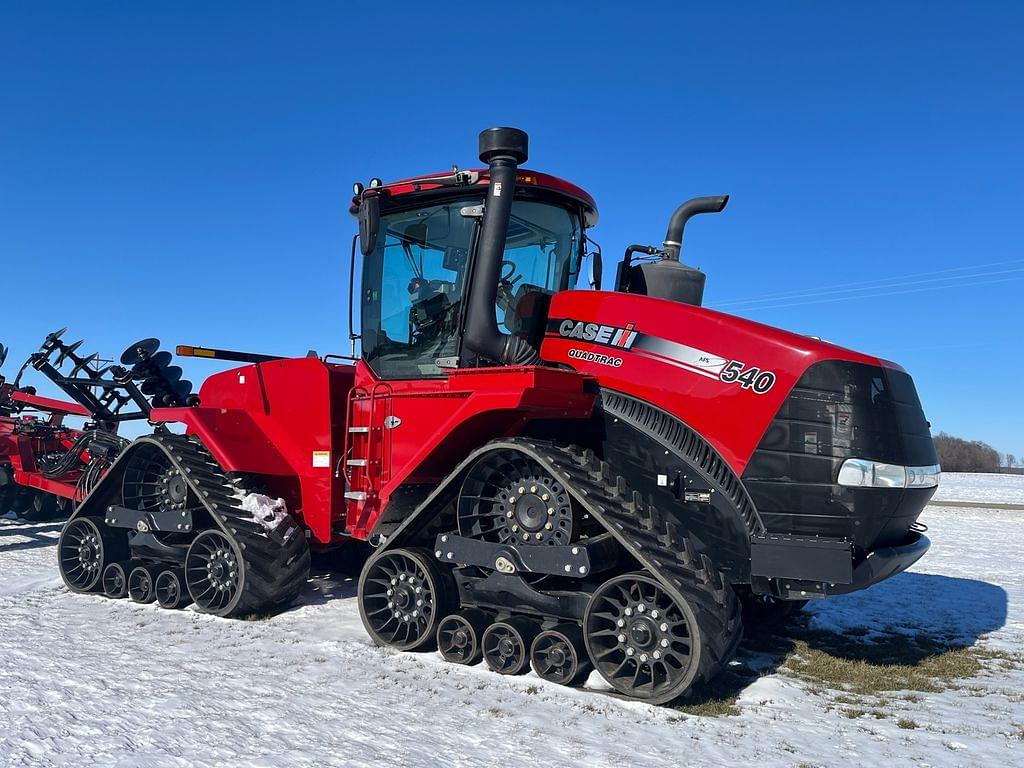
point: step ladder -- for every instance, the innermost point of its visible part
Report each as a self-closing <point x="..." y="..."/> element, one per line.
<point x="365" y="459"/>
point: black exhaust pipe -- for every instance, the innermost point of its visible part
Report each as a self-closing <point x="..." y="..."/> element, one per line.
<point x="674" y="237"/>
<point x="503" y="149"/>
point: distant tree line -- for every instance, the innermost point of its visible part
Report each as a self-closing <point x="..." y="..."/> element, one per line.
<point x="959" y="455"/>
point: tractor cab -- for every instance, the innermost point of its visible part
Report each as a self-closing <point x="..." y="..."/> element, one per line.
<point x="422" y="260"/>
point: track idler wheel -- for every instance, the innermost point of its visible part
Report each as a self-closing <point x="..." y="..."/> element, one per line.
<point x="560" y="656"/>
<point x="115" y="581"/>
<point x="83" y="551"/>
<point x="141" y="587"/>
<point x="403" y="595"/>
<point x="459" y="637"/>
<point x="171" y="591"/>
<point x="506" y="645"/>
<point x="151" y="483"/>
<point x="642" y="641"/>
<point x="214" y="572"/>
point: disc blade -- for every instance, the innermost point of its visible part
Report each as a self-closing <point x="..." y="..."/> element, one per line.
<point x="161" y="359"/>
<point x="153" y="386"/>
<point x="139" y="350"/>
<point x="142" y="370"/>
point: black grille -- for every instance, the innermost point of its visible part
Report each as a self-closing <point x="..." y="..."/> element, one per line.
<point x="840" y="410"/>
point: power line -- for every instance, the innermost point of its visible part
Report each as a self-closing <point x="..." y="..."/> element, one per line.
<point x="887" y="293"/>
<point x="876" y="283"/>
<point x="868" y="291"/>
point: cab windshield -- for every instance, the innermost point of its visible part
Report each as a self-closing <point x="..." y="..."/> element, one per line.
<point x="413" y="283"/>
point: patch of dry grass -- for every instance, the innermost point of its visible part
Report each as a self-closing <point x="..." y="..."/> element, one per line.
<point x="870" y="664"/>
<point x="868" y="668"/>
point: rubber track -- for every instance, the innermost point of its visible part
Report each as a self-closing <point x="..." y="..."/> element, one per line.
<point x="277" y="561"/>
<point x="656" y="541"/>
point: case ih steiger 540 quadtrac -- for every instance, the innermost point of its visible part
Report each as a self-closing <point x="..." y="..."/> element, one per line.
<point x="559" y="478"/>
<point x="46" y="466"/>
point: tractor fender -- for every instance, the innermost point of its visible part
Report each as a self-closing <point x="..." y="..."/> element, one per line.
<point x="234" y="438"/>
<point x="684" y="476"/>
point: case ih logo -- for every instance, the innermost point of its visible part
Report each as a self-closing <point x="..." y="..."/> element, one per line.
<point x="609" y="335"/>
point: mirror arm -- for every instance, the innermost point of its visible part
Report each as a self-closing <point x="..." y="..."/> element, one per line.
<point x="352" y="335"/>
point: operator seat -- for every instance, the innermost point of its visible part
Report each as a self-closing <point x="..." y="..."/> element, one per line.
<point x="430" y="303"/>
<point x="525" y="314"/>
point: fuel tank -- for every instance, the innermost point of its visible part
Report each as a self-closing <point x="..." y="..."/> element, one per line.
<point x="784" y="411"/>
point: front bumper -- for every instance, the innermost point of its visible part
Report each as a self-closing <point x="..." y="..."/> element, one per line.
<point x="885" y="562"/>
<point x="798" y="568"/>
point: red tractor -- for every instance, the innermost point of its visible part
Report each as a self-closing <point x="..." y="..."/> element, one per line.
<point x="556" y="478"/>
<point x="46" y="466"/>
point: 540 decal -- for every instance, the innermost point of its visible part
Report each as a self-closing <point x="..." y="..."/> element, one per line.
<point x="753" y="378"/>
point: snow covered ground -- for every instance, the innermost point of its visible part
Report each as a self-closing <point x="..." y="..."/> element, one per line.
<point x="89" y="681"/>
<point x="968" y="486"/>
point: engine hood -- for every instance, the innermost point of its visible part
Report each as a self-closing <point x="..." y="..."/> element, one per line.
<point x="724" y="376"/>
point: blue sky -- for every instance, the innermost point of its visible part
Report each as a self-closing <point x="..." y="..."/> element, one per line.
<point x="182" y="169"/>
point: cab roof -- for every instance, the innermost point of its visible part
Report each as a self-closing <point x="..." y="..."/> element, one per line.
<point x="524" y="177"/>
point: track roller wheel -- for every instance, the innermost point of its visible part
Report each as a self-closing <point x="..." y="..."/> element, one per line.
<point x="141" y="588"/>
<point x="170" y="589"/>
<point x="642" y="641"/>
<point x="84" y="549"/>
<point x="115" y="581"/>
<point x="459" y="637"/>
<point x="506" y="645"/>
<point x="403" y="595"/>
<point x="560" y="656"/>
<point x="214" y="572"/>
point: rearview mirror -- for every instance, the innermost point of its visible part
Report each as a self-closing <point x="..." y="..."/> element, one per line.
<point x="596" y="270"/>
<point x="369" y="223"/>
<point x="3" y="354"/>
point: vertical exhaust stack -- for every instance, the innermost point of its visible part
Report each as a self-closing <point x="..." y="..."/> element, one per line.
<point x="503" y="149"/>
<point x="674" y="236"/>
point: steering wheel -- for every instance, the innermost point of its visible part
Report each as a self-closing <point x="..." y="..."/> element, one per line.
<point x="507" y="277"/>
<point x="507" y="284"/>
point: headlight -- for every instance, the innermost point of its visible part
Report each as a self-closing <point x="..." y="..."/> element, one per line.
<point x="861" y="473"/>
<point x="923" y="477"/>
